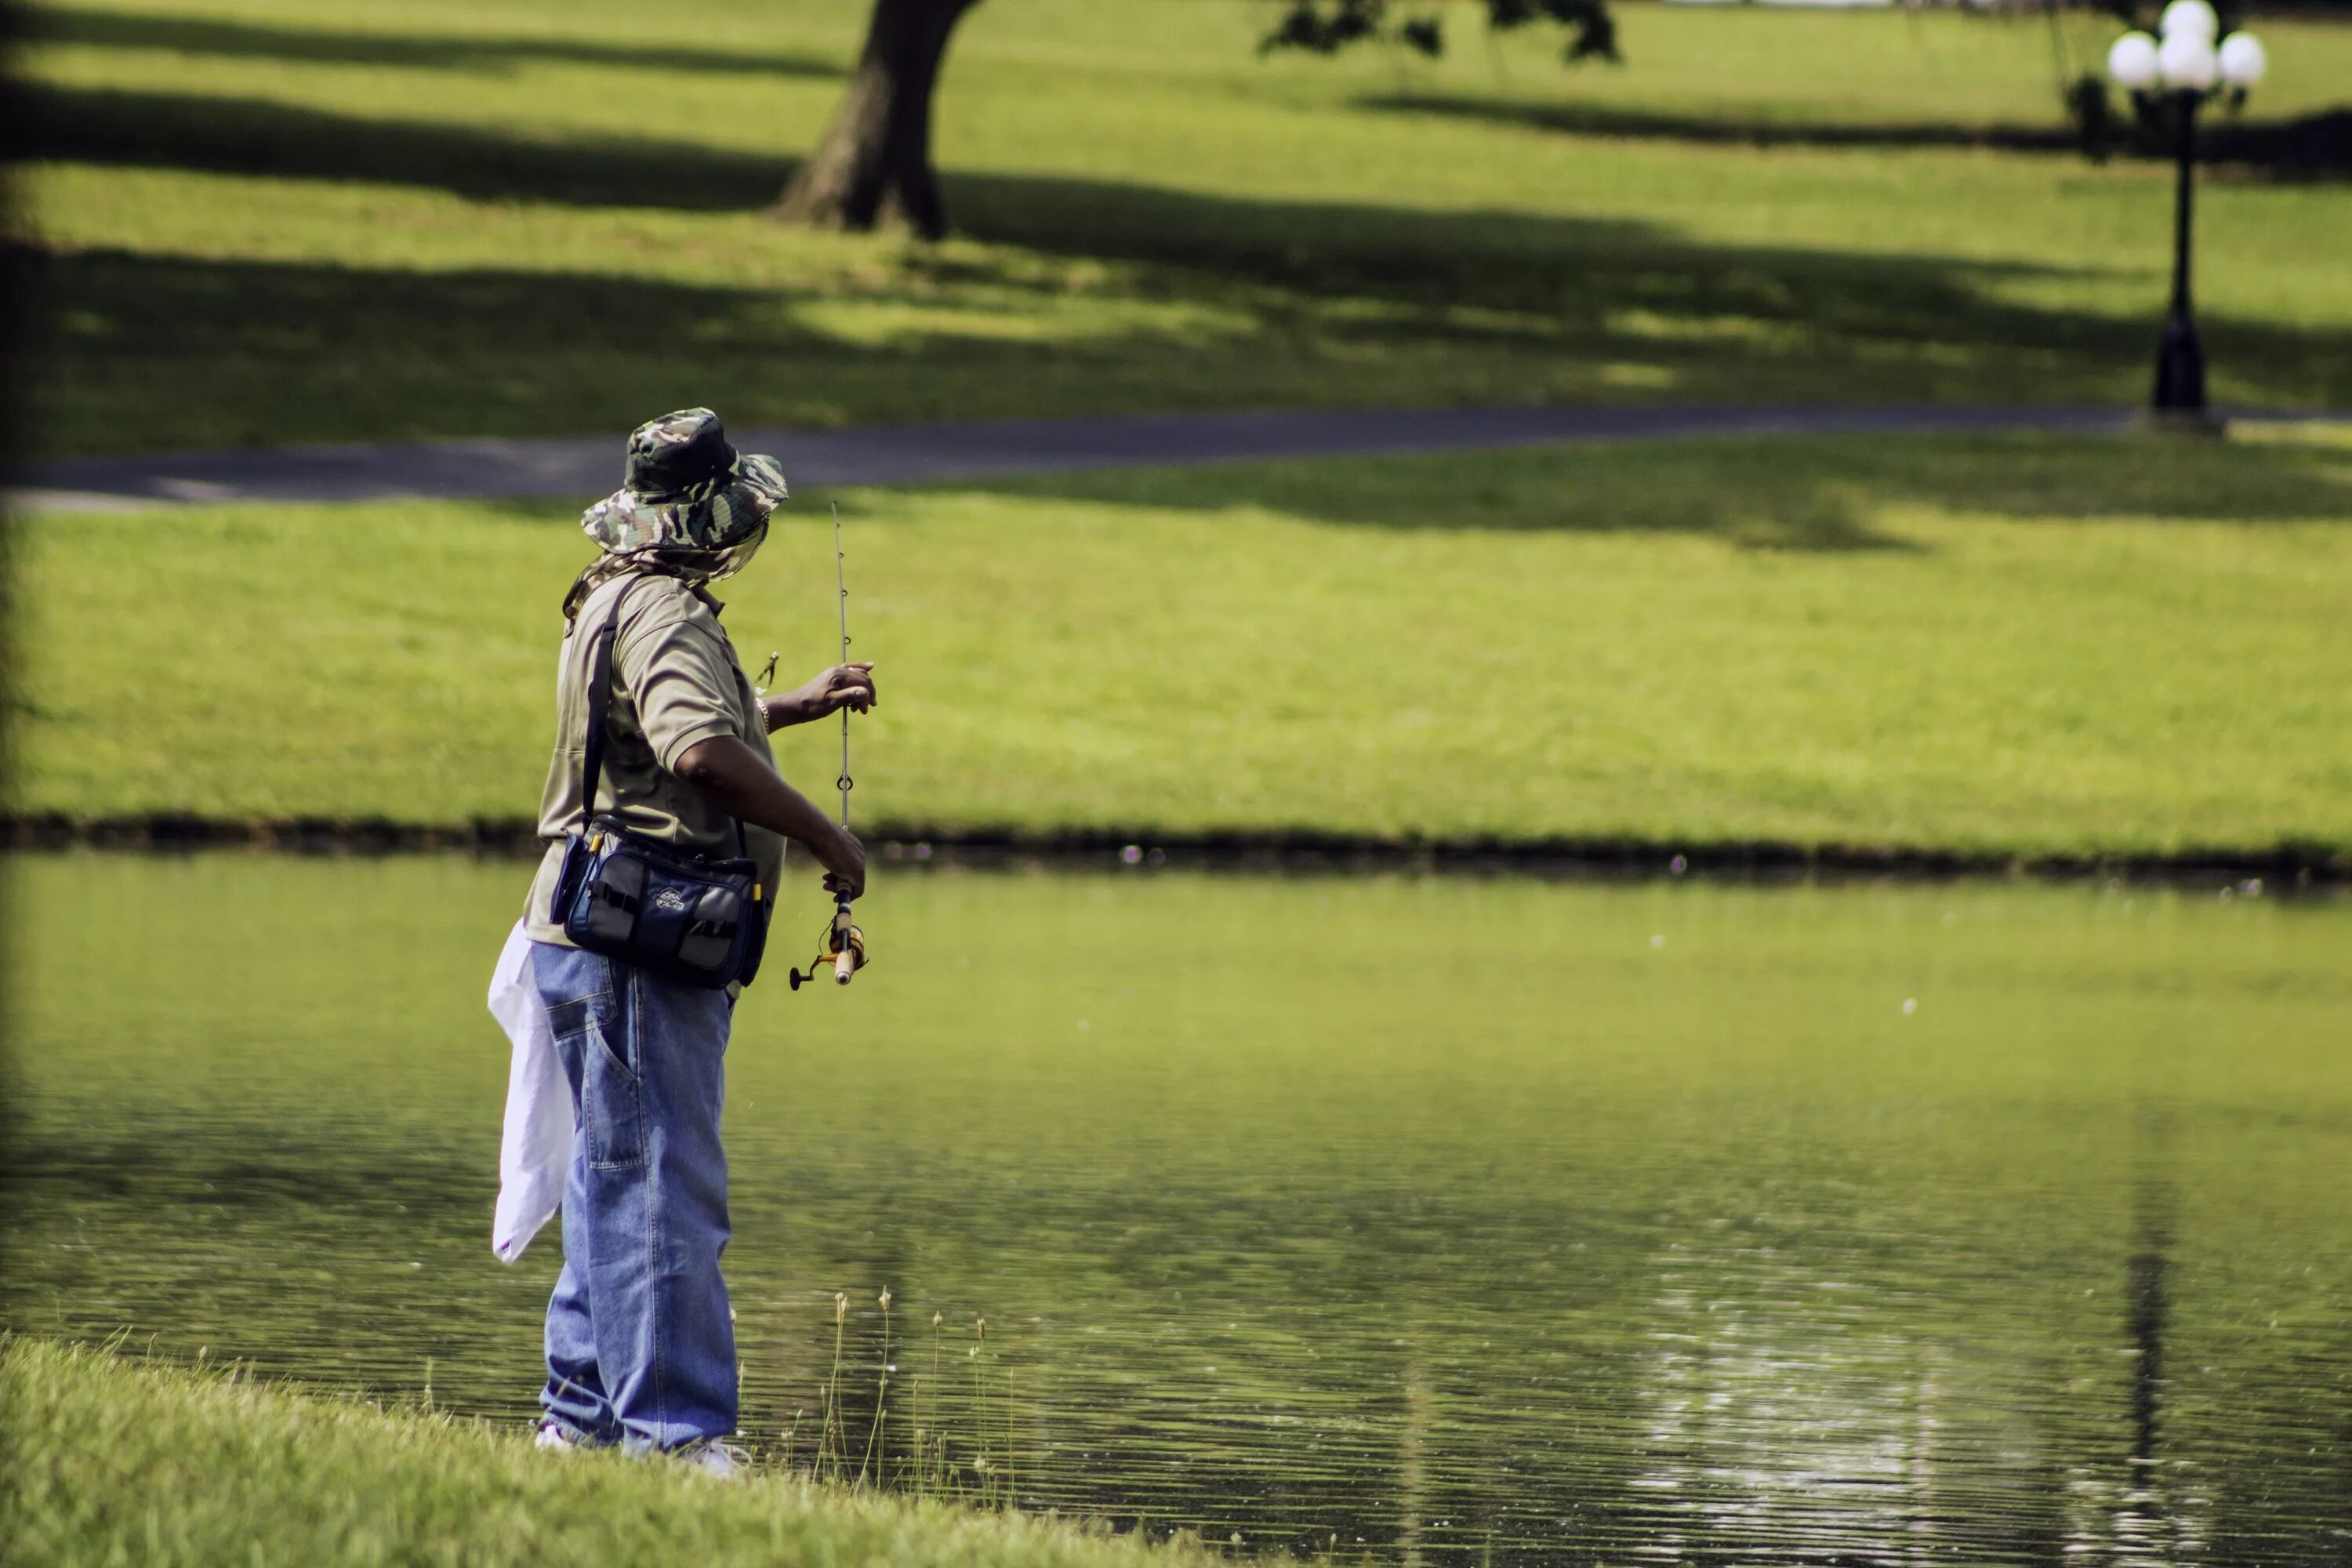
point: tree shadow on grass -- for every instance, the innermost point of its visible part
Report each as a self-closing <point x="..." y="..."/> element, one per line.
<point x="1718" y="130"/>
<point x="137" y="353"/>
<point x="1805" y="494"/>
<point x="435" y="51"/>
<point x="176" y="351"/>
<point x="1559" y="267"/>
<point x="2314" y="147"/>
<point x="251" y="136"/>
<point x="1517" y="305"/>
<point x="1718" y="322"/>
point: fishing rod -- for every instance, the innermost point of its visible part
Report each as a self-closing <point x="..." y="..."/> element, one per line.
<point x="843" y="944"/>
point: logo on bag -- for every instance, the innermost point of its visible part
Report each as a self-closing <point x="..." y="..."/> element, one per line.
<point x="670" y="901"/>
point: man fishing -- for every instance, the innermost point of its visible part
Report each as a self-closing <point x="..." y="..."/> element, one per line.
<point x="665" y="821"/>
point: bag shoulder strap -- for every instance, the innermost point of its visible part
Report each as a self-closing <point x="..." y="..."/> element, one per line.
<point x="600" y="698"/>
<point x="600" y="701"/>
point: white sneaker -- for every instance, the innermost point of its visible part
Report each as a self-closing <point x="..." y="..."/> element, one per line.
<point x="713" y="1458"/>
<point x="551" y="1435"/>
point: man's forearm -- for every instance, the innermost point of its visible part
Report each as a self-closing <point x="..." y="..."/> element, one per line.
<point x="740" y="783"/>
<point x="782" y="710"/>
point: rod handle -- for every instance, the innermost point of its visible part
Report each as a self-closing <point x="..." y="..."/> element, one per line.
<point x="845" y="955"/>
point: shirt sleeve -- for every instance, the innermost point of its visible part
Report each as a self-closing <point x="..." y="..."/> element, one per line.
<point x="682" y="676"/>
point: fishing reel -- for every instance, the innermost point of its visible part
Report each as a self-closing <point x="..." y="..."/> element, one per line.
<point x="842" y="945"/>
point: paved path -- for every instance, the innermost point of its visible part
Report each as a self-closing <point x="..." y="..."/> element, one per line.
<point x="581" y="468"/>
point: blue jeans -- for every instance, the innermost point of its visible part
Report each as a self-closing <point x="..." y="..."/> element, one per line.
<point x="640" y="1343"/>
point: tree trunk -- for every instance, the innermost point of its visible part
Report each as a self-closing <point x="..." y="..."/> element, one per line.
<point x="874" y="163"/>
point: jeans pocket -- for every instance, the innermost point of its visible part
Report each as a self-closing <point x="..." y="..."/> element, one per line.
<point x="600" y="1033"/>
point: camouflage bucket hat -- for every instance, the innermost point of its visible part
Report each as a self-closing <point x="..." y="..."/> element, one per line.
<point x="686" y="489"/>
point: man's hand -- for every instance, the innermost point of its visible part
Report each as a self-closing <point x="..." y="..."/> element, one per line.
<point x="849" y="686"/>
<point x="845" y="873"/>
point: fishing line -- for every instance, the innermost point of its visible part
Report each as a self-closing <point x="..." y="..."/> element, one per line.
<point x="843" y="945"/>
<point x="841" y="586"/>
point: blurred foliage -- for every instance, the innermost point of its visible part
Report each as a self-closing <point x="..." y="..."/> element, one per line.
<point x="1327" y="26"/>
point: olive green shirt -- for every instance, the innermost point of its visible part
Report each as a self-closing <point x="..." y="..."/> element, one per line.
<point x="676" y="680"/>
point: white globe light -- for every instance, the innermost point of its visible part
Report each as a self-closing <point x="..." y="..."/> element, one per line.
<point x="2190" y="16"/>
<point x="2186" y="62"/>
<point x="2242" y="60"/>
<point x="2132" y="61"/>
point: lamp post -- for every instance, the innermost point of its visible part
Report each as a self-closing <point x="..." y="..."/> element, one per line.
<point x="2190" y="67"/>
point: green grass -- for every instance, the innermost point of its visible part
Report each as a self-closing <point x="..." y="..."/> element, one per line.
<point x="2004" y="643"/>
<point x="111" y="1461"/>
<point x="276" y="221"/>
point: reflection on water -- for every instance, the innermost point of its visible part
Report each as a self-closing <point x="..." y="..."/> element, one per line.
<point x="1431" y="1220"/>
<point x="2146" y="1529"/>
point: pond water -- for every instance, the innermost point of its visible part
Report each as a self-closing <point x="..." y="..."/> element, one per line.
<point x="1423" y="1219"/>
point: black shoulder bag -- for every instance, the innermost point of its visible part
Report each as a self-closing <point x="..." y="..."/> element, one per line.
<point x="699" y="920"/>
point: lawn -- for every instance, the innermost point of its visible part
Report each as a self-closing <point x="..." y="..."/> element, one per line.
<point x="267" y="222"/>
<point x="113" y="1461"/>
<point x="1998" y="643"/>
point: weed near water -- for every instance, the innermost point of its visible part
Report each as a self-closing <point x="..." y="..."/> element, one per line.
<point x="935" y="1439"/>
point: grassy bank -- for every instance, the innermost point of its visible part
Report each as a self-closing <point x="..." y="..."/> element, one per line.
<point x="1994" y="644"/>
<point x="113" y="1461"/>
<point x="276" y="221"/>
